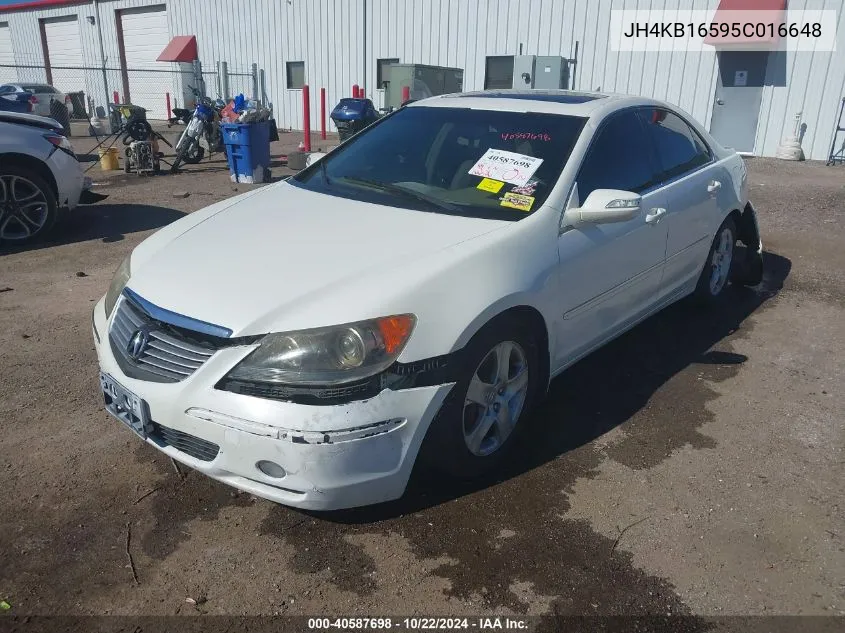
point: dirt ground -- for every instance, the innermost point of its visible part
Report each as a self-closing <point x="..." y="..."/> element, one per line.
<point x="694" y="466"/>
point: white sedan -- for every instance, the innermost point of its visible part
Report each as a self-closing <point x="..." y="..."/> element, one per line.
<point x="411" y="294"/>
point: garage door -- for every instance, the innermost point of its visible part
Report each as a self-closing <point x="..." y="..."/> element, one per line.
<point x="7" y="55"/>
<point x="145" y="34"/>
<point x="64" y="48"/>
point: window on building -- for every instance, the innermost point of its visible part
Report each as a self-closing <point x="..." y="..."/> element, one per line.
<point x="295" y="75"/>
<point x="679" y="148"/>
<point x="498" y="72"/>
<point x="619" y="157"/>
<point x="381" y="69"/>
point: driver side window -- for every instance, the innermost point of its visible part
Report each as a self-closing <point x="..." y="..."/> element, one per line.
<point x="618" y="158"/>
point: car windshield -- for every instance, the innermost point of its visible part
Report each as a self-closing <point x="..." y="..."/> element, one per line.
<point x="486" y="164"/>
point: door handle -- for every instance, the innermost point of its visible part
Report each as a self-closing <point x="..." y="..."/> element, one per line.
<point x="714" y="186"/>
<point x="720" y="102"/>
<point x="653" y="216"/>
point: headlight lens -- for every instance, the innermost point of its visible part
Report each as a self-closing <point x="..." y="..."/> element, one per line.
<point x="118" y="283"/>
<point x="327" y="356"/>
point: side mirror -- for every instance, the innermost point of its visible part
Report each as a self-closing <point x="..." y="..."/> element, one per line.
<point x="313" y="157"/>
<point x="603" y="206"/>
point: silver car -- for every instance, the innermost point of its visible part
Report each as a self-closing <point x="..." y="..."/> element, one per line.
<point x="40" y="177"/>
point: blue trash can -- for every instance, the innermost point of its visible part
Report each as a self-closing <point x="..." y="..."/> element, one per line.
<point x="248" y="151"/>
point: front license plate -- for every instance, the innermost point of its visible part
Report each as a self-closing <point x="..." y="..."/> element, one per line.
<point x="125" y="405"/>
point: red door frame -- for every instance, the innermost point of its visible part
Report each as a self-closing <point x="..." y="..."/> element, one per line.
<point x="121" y="49"/>
<point x="45" y="51"/>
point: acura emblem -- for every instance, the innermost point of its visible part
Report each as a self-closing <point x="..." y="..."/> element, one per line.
<point x="137" y="343"/>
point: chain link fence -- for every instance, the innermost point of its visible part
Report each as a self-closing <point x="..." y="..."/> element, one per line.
<point x="91" y="90"/>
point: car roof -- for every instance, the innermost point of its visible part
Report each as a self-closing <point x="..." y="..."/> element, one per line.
<point x="26" y="85"/>
<point x="567" y="102"/>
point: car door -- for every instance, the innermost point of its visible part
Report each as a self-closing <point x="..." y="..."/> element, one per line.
<point x="690" y="188"/>
<point x="609" y="273"/>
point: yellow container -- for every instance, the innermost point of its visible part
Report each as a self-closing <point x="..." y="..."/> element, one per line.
<point x="108" y="159"/>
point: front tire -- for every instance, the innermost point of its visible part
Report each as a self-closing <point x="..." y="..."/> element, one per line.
<point x="188" y="150"/>
<point x="195" y="153"/>
<point x="28" y="206"/>
<point x="486" y="410"/>
<point x="715" y="277"/>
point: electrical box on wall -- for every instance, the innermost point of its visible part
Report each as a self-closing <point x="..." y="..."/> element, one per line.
<point x="523" y="71"/>
<point x="541" y="72"/>
<point x="421" y="80"/>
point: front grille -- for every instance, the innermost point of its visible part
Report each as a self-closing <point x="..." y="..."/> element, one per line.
<point x="169" y="356"/>
<point x="194" y="446"/>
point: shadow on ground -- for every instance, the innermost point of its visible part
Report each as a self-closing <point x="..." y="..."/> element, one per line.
<point x="609" y="387"/>
<point x="106" y="222"/>
<point x="500" y="534"/>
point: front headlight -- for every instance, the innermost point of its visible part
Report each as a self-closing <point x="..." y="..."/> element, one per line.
<point x="118" y="283"/>
<point x="327" y="356"/>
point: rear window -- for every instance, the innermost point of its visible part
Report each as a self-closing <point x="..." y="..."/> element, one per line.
<point x="487" y="164"/>
<point x="40" y="88"/>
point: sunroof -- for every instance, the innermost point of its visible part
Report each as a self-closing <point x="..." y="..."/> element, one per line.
<point x="556" y="97"/>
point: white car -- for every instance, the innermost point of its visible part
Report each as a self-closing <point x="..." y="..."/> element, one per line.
<point x="413" y="292"/>
<point x="39" y="177"/>
<point x="42" y="96"/>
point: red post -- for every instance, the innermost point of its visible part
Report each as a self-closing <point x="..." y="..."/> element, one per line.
<point x="323" y="113"/>
<point x="354" y="91"/>
<point x="306" y="116"/>
<point x="169" y="111"/>
<point x="116" y="97"/>
<point x="406" y="93"/>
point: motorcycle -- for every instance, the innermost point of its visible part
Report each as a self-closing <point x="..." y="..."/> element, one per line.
<point x="202" y="133"/>
<point x="180" y="115"/>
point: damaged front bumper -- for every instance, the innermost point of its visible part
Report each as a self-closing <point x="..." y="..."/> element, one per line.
<point x="311" y="457"/>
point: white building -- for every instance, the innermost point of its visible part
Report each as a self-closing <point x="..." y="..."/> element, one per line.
<point x="334" y="44"/>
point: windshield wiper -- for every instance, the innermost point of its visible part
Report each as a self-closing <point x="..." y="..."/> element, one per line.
<point x="408" y="193"/>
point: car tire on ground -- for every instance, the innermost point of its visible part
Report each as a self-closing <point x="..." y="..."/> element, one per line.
<point x="716" y="275"/>
<point x="488" y="407"/>
<point x="28" y="206"/>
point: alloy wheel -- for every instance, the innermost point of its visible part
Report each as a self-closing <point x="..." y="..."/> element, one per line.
<point x="23" y="208"/>
<point x="721" y="261"/>
<point x="495" y="398"/>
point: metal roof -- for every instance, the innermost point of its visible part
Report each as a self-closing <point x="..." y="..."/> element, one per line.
<point x="39" y="4"/>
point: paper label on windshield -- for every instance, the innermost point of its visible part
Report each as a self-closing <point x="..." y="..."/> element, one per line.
<point x="517" y="201"/>
<point x="493" y="186"/>
<point x="497" y="164"/>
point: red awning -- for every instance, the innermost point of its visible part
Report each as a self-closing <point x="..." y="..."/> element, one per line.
<point x="757" y="22"/>
<point x="182" y="48"/>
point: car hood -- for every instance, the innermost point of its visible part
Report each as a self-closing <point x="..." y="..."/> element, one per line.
<point x="282" y="246"/>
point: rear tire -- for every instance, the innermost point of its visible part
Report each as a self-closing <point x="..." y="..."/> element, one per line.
<point x="486" y="411"/>
<point x="28" y="206"/>
<point x="716" y="275"/>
